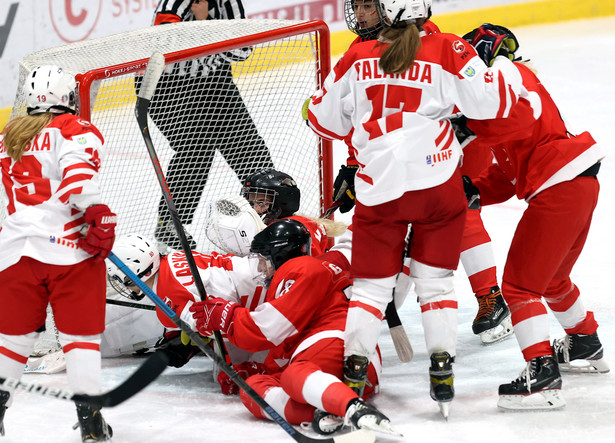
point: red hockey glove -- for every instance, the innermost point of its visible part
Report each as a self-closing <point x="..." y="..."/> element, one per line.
<point x="99" y="239"/>
<point x="245" y="370"/>
<point x="215" y="314"/>
<point x="491" y="41"/>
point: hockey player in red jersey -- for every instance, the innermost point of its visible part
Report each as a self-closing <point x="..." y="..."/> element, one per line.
<point x="398" y="109"/>
<point x="301" y="323"/>
<point x="50" y="161"/>
<point x="554" y="171"/>
<point x="492" y="322"/>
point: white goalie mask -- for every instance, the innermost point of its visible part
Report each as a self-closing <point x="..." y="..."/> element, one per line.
<point x="140" y="256"/>
<point x="396" y="11"/>
<point x="50" y="88"/>
<point x="231" y="224"/>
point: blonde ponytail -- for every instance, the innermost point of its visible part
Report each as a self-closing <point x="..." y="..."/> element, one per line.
<point x="19" y="131"/>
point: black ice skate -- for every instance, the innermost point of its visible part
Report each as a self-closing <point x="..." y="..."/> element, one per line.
<point x="93" y="425"/>
<point x="355" y="373"/>
<point x="325" y="423"/>
<point x="580" y="353"/>
<point x="361" y="415"/>
<point x="441" y="378"/>
<point x="4" y="397"/>
<point x="165" y="233"/>
<point x="492" y="322"/>
<point x="537" y="387"/>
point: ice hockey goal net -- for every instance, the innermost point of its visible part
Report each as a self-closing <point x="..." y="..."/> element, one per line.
<point x="276" y="65"/>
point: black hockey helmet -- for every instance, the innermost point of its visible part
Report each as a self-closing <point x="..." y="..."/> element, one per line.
<point x="281" y="241"/>
<point x="366" y="33"/>
<point x="276" y="190"/>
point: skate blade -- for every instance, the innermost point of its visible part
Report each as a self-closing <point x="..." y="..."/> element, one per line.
<point x="383" y="428"/>
<point x="444" y="408"/>
<point x="549" y="399"/>
<point x="599" y="366"/>
<point x="499" y="333"/>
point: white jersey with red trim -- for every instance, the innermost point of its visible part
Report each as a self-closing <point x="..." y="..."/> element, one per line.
<point x="47" y="192"/>
<point x="403" y="137"/>
<point x="227" y="276"/>
<point x="305" y="302"/>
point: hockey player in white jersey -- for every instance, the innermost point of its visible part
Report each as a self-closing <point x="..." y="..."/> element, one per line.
<point x="399" y="109"/>
<point x="54" y="240"/>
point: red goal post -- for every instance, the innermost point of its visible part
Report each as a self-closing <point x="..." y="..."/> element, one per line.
<point x="289" y="61"/>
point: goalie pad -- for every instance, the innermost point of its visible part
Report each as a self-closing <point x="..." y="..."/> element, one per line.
<point x="231" y="224"/>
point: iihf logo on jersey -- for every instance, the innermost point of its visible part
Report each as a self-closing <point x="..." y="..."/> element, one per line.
<point x="62" y="242"/>
<point x="439" y="157"/>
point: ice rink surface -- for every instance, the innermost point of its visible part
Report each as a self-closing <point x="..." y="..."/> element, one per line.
<point x="576" y="62"/>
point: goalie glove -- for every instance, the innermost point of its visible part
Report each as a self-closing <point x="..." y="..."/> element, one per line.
<point x="491" y="41"/>
<point x="244" y="370"/>
<point x="100" y="235"/>
<point x="472" y="193"/>
<point x="214" y="314"/>
<point x="343" y="187"/>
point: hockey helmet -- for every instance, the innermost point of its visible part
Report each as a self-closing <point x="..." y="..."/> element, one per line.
<point x="281" y="241"/>
<point x="408" y="11"/>
<point x="50" y="88"/>
<point x="362" y="18"/>
<point x="140" y="256"/>
<point x="273" y="194"/>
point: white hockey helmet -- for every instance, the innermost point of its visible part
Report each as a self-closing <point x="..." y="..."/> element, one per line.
<point x="396" y="11"/>
<point x="140" y="256"/>
<point x="231" y="224"/>
<point x="50" y="88"/>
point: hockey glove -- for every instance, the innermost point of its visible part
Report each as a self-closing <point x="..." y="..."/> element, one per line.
<point x="464" y="134"/>
<point x="304" y="110"/>
<point x="343" y="187"/>
<point x="100" y="235"/>
<point x="472" y="193"/>
<point x="178" y="353"/>
<point x="491" y="41"/>
<point x="215" y="314"/>
<point x="244" y="370"/>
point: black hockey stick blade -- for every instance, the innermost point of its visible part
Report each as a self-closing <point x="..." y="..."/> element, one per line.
<point x="143" y="376"/>
<point x="398" y="334"/>
<point x="361" y="436"/>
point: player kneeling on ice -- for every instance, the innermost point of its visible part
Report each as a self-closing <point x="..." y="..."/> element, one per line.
<point x="555" y="172"/>
<point x="301" y="323"/>
<point x="54" y="240"/>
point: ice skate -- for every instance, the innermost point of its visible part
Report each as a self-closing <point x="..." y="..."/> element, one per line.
<point x="441" y="381"/>
<point x="4" y="397"/>
<point x="165" y="233"/>
<point x="492" y="322"/>
<point x="580" y="353"/>
<point x="325" y="423"/>
<point x="361" y="415"/>
<point x="537" y="387"/>
<point x="355" y="373"/>
<point x="93" y="425"/>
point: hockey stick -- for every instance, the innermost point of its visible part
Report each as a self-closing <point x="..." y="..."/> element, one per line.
<point x="131" y="305"/>
<point x="143" y="376"/>
<point x="398" y="334"/>
<point x="360" y="436"/>
<point x="331" y="209"/>
<point x="153" y="71"/>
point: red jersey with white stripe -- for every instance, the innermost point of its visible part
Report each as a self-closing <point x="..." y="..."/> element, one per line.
<point x="401" y="132"/>
<point x="225" y="276"/>
<point x="48" y="190"/>
<point x="305" y="301"/>
<point x="532" y="147"/>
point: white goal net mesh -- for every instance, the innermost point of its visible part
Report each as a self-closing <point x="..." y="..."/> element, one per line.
<point x="228" y="104"/>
